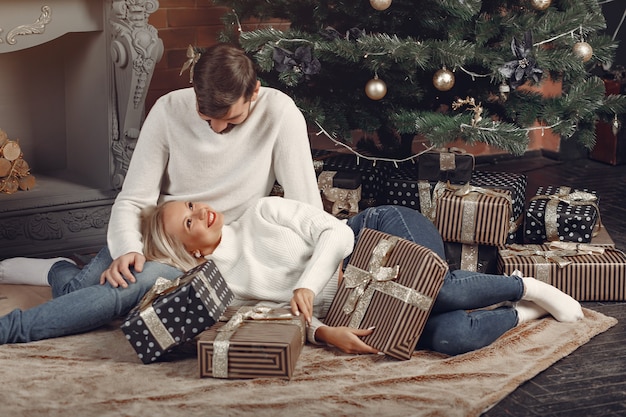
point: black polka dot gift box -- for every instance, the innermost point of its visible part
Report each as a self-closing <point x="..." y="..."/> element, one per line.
<point x="561" y="214"/>
<point x="174" y="312"/>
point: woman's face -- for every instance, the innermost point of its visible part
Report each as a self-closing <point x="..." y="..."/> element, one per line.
<point x="196" y="225"/>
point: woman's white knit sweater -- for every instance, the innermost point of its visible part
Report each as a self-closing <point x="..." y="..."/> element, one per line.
<point x="178" y="156"/>
<point x="279" y="245"/>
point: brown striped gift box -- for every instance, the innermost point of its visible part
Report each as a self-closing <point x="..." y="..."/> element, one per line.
<point x="474" y="215"/>
<point x="174" y="312"/>
<point x="391" y="284"/>
<point x="584" y="271"/>
<point x="252" y="342"/>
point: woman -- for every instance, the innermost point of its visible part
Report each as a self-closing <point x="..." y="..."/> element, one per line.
<point x="284" y="251"/>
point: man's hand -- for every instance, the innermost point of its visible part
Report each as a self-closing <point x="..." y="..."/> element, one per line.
<point x="119" y="273"/>
<point x="302" y="303"/>
<point x="346" y="339"/>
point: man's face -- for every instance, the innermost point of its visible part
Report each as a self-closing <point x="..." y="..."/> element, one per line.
<point x="237" y="114"/>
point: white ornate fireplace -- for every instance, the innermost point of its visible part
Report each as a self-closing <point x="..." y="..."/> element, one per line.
<point x="73" y="80"/>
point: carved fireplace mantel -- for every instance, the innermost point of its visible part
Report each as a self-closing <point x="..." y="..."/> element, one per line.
<point x="73" y="80"/>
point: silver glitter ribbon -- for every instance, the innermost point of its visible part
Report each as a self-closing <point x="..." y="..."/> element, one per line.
<point x="543" y="258"/>
<point x="428" y="201"/>
<point x="157" y="328"/>
<point x="342" y="199"/>
<point x="469" y="257"/>
<point x="380" y="278"/>
<point x="161" y="287"/>
<point x="447" y="157"/>
<point x="565" y="195"/>
<point x="221" y="344"/>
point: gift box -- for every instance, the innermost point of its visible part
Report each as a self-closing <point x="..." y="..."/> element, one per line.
<point x="584" y="271"/>
<point x="174" y="312"/>
<point x="402" y="188"/>
<point x="252" y="342"/>
<point x="391" y="284"/>
<point x="561" y="213"/>
<point x="341" y="191"/>
<point x="472" y="257"/>
<point x="371" y="175"/>
<point x="448" y="165"/>
<point x="473" y="215"/>
<point x="513" y="183"/>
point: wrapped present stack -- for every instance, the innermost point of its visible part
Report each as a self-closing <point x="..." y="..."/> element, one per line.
<point x="175" y="312"/>
<point x="390" y="284"/>
<point x="566" y="245"/>
<point x="252" y="342"/>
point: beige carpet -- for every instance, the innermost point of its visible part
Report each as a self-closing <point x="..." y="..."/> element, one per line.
<point x="98" y="374"/>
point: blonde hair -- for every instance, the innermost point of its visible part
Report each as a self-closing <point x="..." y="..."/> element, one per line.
<point x="158" y="245"/>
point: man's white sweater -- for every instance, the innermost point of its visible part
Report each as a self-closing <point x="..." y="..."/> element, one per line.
<point x="178" y="156"/>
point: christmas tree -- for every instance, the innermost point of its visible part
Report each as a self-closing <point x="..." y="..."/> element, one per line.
<point x="441" y="69"/>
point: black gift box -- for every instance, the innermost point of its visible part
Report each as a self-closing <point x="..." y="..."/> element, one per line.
<point x="174" y="312"/>
<point x="401" y="188"/>
<point x="557" y="213"/>
<point x="371" y="175"/>
<point x="472" y="257"/>
<point x="445" y="166"/>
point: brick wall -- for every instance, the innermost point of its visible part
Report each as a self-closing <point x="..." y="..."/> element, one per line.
<point x="182" y="23"/>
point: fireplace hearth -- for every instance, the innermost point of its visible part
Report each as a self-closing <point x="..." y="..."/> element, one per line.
<point x="73" y="80"/>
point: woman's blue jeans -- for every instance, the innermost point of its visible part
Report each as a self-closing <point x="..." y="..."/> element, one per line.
<point x="450" y="329"/>
<point x="79" y="302"/>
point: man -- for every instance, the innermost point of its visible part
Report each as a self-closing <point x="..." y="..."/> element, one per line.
<point x="225" y="140"/>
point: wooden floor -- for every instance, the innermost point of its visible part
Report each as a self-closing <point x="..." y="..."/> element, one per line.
<point x="592" y="380"/>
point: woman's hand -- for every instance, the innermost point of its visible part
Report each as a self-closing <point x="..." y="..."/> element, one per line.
<point x="119" y="271"/>
<point x="302" y="303"/>
<point x="346" y="339"/>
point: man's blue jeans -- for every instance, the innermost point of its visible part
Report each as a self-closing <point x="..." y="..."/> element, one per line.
<point x="80" y="303"/>
<point x="450" y="328"/>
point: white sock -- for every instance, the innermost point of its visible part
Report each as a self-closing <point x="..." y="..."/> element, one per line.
<point x="560" y="305"/>
<point x="27" y="271"/>
<point x="527" y="311"/>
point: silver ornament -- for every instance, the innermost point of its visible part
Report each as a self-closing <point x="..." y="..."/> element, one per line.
<point x="443" y="80"/>
<point x="540" y="4"/>
<point x="583" y="50"/>
<point x="380" y="4"/>
<point x="376" y="88"/>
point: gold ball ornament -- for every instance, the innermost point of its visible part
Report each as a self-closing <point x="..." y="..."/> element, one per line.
<point x="583" y="50"/>
<point x="380" y="4"/>
<point x="540" y="4"/>
<point x="443" y="80"/>
<point x="376" y="89"/>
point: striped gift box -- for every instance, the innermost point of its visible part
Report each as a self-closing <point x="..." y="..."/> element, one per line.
<point x="473" y="215"/>
<point x="585" y="272"/>
<point x="390" y="284"/>
<point x="252" y="342"/>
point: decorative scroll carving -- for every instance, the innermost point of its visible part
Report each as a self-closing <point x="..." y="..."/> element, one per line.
<point x="1" y="40"/>
<point x="54" y="225"/>
<point x="135" y="48"/>
<point x="36" y="28"/>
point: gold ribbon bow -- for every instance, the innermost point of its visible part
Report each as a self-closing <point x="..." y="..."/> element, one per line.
<point x="572" y="198"/>
<point x="161" y="287"/>
<point x="221" y="344"/>
<point x="192" y="58"/>
<point x="342" y="199"/>
<point x="380" y="278"/>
